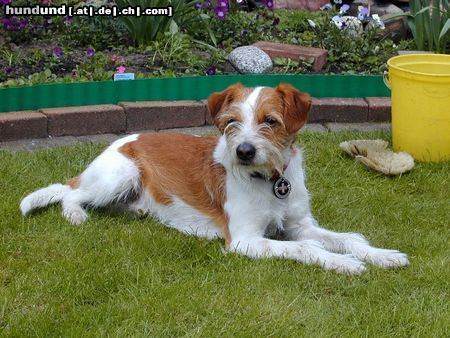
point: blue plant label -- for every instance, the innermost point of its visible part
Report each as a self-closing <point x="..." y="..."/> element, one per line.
<point x="123" y="76"/>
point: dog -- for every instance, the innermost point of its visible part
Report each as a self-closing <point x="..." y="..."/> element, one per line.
<point x="242" y="186"/>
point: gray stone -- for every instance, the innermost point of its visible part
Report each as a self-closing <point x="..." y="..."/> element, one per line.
<point x="313" y="127"/>
<point x="395" y="29"/>
<point x="36" y="144"/>
<point x="250" y="60"/>
<point x="198" y="131"/>
<point x="384" y="8"/>
<point x="51" y="142"/>
<point x="102" y="138"/>
<point x="229" y="69"/>
<point x="365" y="126"/>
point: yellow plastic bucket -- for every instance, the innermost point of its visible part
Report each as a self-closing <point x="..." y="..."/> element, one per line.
<point x="420" y="85"/>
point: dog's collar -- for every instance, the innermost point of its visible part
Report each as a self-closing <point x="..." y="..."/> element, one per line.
<point x="275" y="175"/>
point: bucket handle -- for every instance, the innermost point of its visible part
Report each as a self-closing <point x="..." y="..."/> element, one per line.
<point x="386" y="79"/>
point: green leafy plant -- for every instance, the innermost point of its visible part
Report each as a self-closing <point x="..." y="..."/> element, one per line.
<point x="289" y="66"/>
<point x="365" y="53"/>
<point x="429" y="21"/>
<point x="239" y="28"/>
<point x="10" y="57"/>
<point x="99" y="67"/>
<point x="145" y="29"/>
<point x="171" y="48"/>
<point x="36" y="56"/>
<point x="100" y="32"/>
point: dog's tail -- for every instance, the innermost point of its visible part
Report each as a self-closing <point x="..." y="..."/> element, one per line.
<point x="54" y="193"/>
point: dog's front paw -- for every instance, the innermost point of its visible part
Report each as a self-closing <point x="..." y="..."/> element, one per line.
<point x="345" y="264"/>
<point x="386" y="258"/>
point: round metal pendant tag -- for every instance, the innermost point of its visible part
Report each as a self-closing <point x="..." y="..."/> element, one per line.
<point x="282" y="188"/>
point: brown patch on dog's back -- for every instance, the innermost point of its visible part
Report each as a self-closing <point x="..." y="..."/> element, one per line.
<point x="182" y="166"/>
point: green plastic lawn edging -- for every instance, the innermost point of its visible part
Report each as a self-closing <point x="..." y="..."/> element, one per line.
<point x="181" y="88"/>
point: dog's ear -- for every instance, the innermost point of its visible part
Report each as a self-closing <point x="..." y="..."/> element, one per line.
<point x="296" y="107"/>
<point x="218" y="100"/>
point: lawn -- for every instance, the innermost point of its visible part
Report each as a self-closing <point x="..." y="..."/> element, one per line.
<point x="119" y="276"/>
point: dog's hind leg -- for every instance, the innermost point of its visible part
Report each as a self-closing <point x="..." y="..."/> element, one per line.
<point x="111" y="177"/>
<point x="72" y="206"/>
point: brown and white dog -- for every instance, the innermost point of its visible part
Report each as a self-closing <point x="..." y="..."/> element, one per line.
<point x="241" y="186"/>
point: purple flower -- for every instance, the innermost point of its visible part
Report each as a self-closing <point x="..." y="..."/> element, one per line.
<point x="326" y="7"/>
<point x="378" y="22"/>
<point x="211" y="70"/>
<point x="363" y="13"/>
<point x="47" y="21"/>
<point x="6" y="2"/>
<point x="6" y="22"/>
<point x="204" y="4"/>
<point x="57" y="52"/>
<point x="337" y="20"/>
<point x="344" y="8"/>
<point x="221" y="12"/>
<point x="14" y="24"/>
<point x="223" y="3"/>
<point x="90" y="52"/>
<point x="269" y="4"/>
<point x="23" y="23"/>
<point x="67" y="20"/>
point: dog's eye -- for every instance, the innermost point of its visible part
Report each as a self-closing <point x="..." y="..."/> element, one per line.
<point x="231" y="121"/>
<point x="270" y="121"/>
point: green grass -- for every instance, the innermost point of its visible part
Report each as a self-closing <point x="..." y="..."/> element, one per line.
<point x="118" y="276"/>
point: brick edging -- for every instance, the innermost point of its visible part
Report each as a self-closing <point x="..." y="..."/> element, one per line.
<point x="132" y="116"/>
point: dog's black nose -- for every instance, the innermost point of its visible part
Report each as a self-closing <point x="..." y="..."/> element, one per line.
<point x="246" y="151"/>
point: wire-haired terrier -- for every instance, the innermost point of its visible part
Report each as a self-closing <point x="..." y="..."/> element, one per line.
<point x="243" y="186"/>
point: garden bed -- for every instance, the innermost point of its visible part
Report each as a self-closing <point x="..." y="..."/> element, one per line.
<point x="60" y="49"/>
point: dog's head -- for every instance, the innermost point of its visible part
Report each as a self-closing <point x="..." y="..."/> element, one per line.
<point x="257" y="124"/>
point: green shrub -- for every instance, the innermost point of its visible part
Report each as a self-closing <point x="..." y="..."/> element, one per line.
<point x="429" y="21"/>
<point x="145" y="29"/>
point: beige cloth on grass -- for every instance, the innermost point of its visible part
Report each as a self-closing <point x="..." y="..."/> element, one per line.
<point x="376" y="155"/>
